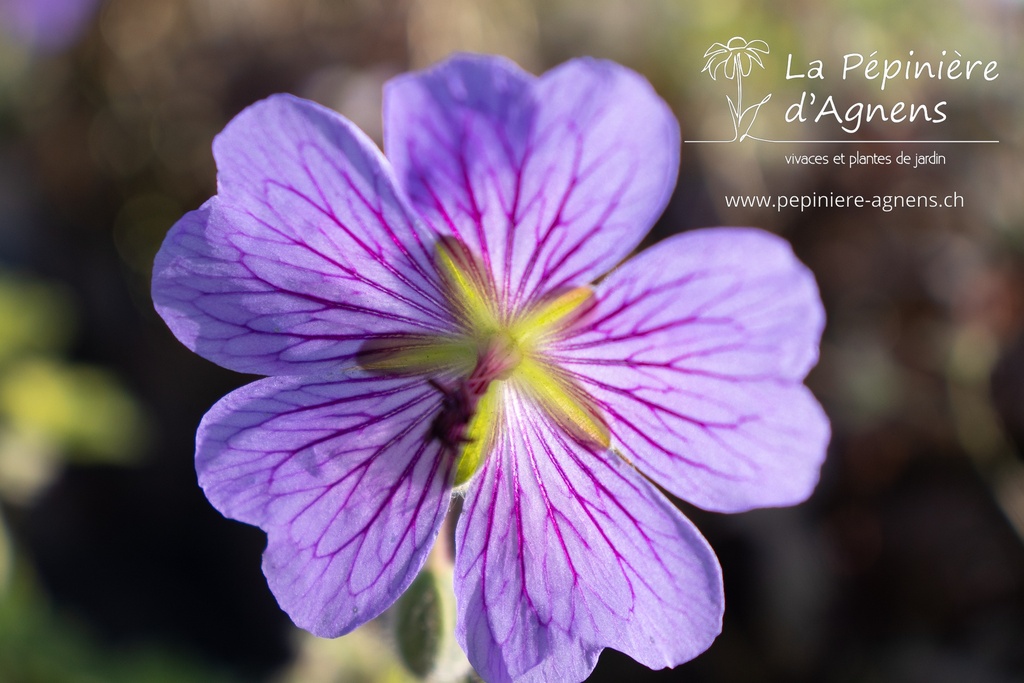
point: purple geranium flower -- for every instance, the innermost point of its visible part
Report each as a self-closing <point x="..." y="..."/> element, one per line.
<point x="430" y="324"/>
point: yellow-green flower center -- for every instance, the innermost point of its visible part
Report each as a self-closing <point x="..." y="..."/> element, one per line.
<point x="493" y="347"/>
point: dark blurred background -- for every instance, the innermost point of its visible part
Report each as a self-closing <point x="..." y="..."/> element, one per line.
<point x="906" y="565"/>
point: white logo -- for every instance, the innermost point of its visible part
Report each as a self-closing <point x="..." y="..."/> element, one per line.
<point x="735" y="59"/>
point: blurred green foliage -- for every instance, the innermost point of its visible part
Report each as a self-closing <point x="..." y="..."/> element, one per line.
<point x="39" y="646"/>
<point x="83" y="409"/>
<point x="38" y="317"/>
<point x="53" y="410"/>
<point x="363" y="656"/>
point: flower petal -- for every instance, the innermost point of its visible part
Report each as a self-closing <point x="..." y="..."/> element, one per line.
<point x="306" y="251"/>
<point x="716" y="48"/>
<point x="696" y="351"/>
<point x="743" y="64"/>
<point x="563" y="551"/>
<point x="551" y="180"/>
<point x="342" y="478"/>
<point x="729" y="67"/>
<point x="757" y="46"/>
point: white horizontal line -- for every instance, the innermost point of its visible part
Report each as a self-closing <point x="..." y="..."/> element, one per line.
<point x="856" y="142"/>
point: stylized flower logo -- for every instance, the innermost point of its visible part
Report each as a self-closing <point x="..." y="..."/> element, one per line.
<point x="736" y="59"/>
<point x="430" y="324"/>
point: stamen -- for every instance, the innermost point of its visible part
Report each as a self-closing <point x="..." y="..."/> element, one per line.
<point x="567" y="404"/>
<point x="417" y="355"/>
<point x="553" y="315"/>
<point x="479" y="435"/>
<point x="468" y="284"/>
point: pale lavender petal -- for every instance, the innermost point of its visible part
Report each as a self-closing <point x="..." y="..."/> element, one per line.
<point x="307" y="251"/>
<point x="697" y="350"/>
<point x="562" y="552"/>
<point x="343" y="479"/>
<point x="551" y="180"/>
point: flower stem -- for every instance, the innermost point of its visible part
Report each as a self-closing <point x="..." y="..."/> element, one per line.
<point x="739" y="96"/>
